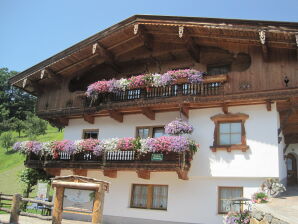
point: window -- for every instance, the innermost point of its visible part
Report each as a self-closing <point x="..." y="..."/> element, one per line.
<point x="149" y="196"/>
<point x="225" y="194"/>
<point x="218" y="69"/>
<point x="229" y="133"/>
<point x="152" y="132"/>
<point x="90" y="133"/>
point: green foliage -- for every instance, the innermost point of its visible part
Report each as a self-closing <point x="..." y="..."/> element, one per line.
<point x="7" y="140"/>
<point x="35" y="127"/>
<point x="18" y="125"/>
<point x="14" y="103"/>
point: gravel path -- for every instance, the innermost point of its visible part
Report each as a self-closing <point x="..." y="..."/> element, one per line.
<point x="4" y="218"/>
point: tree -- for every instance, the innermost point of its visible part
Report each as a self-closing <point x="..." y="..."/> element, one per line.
<point x="35" y="126"/>
<point x="14" y="103"/>
<point x="18" y="125"/>
<point x="7" y="140"/>
<point x="30" y="178"/>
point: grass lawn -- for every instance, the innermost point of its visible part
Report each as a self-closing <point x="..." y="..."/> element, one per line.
<point x="11" y="163"/>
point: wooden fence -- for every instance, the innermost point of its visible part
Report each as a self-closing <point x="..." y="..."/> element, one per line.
<point x="15" y="201"/>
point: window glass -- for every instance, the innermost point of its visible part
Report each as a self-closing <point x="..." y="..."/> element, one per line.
<point x="143" y="132"/>
<point x="160" y="197"/>
<point x="90" y="134"/>
<point x="225" y="195"/>
<point x="230" y="133"/>
<point x="139" y="196"/>
<point x="149" y="196"/>
<point x="158" y="132"/>
<point x="290" y="164"/>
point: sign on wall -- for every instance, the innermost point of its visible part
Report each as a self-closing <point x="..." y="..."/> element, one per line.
<point x="157" y="157"/>
<point x="78" y="201"/>
<point x="42" y="190"/>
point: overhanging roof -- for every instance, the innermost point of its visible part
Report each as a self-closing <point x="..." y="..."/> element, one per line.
<point x="119" y="36"/>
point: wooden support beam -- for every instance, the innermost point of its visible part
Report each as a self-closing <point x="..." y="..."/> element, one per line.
<point x="63" y="121"/>
<point x="88" y="118"/>
<point x="109" y="58"/>
<point x="37" y="87"/>
<point x="80" y="172"/>
<point x="182" y="174"/>
<point x="296" y="37"/>
<point x="148" y="113"/>
<point x="144" y="36"/>
<point x="190" y="44"/>
<point x="225" y="108"/>
<point x="116" y="115"/>
<point x="284" y="122"/>
<point x="262" y="36"/>
<point x="268" y="105"/>
<point x="144" y="174"/>
<point x="53" y="171"/>
<point x="185" y="110"/>
<point x="110" y="173"/>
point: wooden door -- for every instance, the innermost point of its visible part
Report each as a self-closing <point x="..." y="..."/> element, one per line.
<point x="292" y="169"/>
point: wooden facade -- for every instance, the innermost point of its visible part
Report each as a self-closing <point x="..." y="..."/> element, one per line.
<point x="260" y="58"/>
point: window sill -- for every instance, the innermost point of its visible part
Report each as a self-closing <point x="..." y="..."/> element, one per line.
<point x="229" y="148"/>
<point x="149" y="209"/>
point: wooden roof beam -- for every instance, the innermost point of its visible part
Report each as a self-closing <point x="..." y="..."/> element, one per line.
<point x="144" y="36"/>
<point x="116" y="115"/>
<point x="182" y="174"/>
<point x="191" y="46"/>
<point x="225" y="108"/>
<point x="185" y="110"/>
<point x="296" y="38"/>
<point x="88" y="118"/>
<point x="108" y="57"/>
<point x="262" y="36"/>
<point x="148" y="113"/>
<point x="37" y="87"/>
<point x="268" y="105"/>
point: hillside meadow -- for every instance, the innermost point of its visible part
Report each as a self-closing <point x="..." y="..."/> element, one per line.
<point x="12" y="163"/>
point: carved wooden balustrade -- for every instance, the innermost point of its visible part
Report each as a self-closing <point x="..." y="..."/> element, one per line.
<point x="117" y="160"/>
<point x="185" y="89"/>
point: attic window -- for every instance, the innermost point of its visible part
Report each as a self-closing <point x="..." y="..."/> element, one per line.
<point x="218" y="69"/>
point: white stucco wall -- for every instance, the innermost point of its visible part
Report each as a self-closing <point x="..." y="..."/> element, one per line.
<point x="261" y="132"/>
<point x="195" y="200"/>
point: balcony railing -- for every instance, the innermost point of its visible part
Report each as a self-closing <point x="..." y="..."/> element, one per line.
<point x="118" y="160"/>
<point x="186" y="89"/>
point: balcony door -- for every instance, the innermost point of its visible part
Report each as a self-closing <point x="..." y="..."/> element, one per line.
<point x="291" y="169"/>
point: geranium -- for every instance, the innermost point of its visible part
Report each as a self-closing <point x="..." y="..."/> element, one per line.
<point x="87" y="144"/>
<point x="126" y="144"/>
<point x="144" y="80"/>
<point x="64" y="146"/>
<point x="259" y="197"/>
<point x="177" y="127"/>
<point x="237" y="218"/>
<point x="136" y="81"/>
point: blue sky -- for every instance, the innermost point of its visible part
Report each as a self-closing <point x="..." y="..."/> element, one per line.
<point x="33" y="30"/>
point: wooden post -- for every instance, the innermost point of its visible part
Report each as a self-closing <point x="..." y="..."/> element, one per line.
<point x="15" y="209"/>
<point x="98" y="206"/>
<point x="58" y="206"/>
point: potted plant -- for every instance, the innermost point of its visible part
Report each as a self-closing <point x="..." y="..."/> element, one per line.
<point x="260" y="197"/>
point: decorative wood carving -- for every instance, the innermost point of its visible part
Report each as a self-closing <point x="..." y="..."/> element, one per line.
<point x="245" y="85"/>
<point x="42" y="73"/>
<point x="262" y="35"/>
<point x="24" y="82"/>
<point x="110" y="173"/>
<point x="116" y="115"/>
<point x="180" y="31"/>
<point x="144" y="174"/>
<point x="148" y="113"/>
<point x="135" y="29"/>
<point x="88" y="118"/>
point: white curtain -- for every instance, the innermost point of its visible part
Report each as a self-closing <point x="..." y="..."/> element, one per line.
<point x="140" y="196"/>
<point x="160" y="197"/>
<point x="225" y="195"/>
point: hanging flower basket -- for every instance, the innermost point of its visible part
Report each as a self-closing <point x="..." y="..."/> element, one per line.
<point x="178" y="127"/>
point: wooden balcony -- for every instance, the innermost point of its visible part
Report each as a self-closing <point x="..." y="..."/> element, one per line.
<point x="132" y="101"/>
<point x="111" y="162"/>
